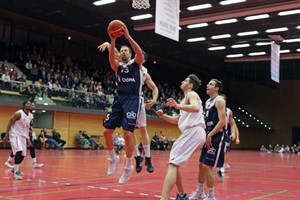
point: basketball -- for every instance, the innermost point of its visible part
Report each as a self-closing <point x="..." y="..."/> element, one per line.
<point x="115" y="28"/>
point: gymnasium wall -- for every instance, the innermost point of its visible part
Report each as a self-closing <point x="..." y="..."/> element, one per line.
<point x="277" y="105"/>
<point x="68" y="125"/>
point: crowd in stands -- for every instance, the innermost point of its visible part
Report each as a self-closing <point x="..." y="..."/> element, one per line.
<point x="281" y="148"/>
<point x="80" y="82"/>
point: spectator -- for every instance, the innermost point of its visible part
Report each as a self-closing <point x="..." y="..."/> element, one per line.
<point x="51" y="140"/>
<point x="263" y="149"/>
<point x="57" y="138"/>
<point x="82" y="140"/>
<point x="154" y="141"/>
<point x="91" y="140"/>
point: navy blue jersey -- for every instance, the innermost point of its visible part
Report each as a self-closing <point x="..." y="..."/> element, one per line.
<point x="129" y="79"/>
<point x="211" y="114"/>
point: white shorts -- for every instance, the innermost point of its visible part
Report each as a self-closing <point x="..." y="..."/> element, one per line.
<point x="18" y="143"/>
<point x="142" y="121"/>
<point x="186" y="144"/>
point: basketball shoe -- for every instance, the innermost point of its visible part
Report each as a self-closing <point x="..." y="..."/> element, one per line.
<point x="36" y="165"/>
<point x="184" y="197"/>
<point x="112" y="165"/>
<point x="138" y="163"/>
<point x="148" y="163"/>
<point x="18" y="175"/>
<point x="198" y="195"/>
<point x="9" y="164"/>
<point x="126" y="175"/>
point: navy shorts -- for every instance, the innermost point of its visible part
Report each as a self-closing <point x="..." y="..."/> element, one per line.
<point x="125" y="112"/>
<point x="214" y="156"/>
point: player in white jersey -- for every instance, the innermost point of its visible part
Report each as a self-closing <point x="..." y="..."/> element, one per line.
<point x="31" y="144"/>
<point x="18" y="132"/>
<point x="142" y="121"/>
<point x="192" y="126"/>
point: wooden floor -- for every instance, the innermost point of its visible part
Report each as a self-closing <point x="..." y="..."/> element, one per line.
<point x="81" y="174"/>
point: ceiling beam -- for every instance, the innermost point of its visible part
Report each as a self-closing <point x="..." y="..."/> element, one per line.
<point x="287" y="5"/>
<point x="291" y="56"/>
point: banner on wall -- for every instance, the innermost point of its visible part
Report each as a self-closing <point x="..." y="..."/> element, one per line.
<point x="275" y="62"/>
<point x="167" y="18"/>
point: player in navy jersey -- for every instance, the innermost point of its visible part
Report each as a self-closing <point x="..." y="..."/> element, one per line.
<point x="142" y="122"/>
<point x="127" y="102"/>
<point x="232" y="134"/>
<point x="212" y="154"/>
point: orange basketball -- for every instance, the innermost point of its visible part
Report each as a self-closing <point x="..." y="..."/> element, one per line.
<point x="115" y="28"/>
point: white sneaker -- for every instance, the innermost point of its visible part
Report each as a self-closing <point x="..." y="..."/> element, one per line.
<point x="126" y="175"/>
<point x="36" y="165"/>
<point x="112" y="165"/>
<point x="9" y="164"/>
<point x="226" y="166"/>
<point x="211" y="198"/>
<point x="198" y="195"/>
<point x="18" y="175"/>
<point x="223" y="169"/>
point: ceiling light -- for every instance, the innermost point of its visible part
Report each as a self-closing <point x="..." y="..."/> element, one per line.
<point x="43" y="111"/>
<point x="216" y="48"/>
<point x="197" y="25"/>
<point x="292" y="40"/>
<point x="226" y="21"/>
<point x="139" y="17"/>
<point x="298" y="50"/>
<point x="199" y="7"/>
<point x="103" y="2"/>
<point x="46" y="104"/>
<point x="277" y="30"/>
<point x="247" y="33"/>
<point x="234" y="55"/>
<point x="221" y="36"/>
<point x="263" y="43"/>
<point x="255" y="17"/>
<point x="240" y="46"/>
<point x="289" y="12"/>
<point x="284" y="51"/>
<point x="257" y="54"/>
<point x="196" y="39"/>
<point x="227" y="2"/>
<point x="298" y="27"/>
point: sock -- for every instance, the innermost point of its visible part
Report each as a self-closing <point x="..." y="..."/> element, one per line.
<point x="136" y="151"/>
<point x="16" y="167"/>
<point x="10" y="159"/>
<point x="181" y="194"/>
<point x="147" y="150"/>
<point x="200" y="187"/>
<point x="211" y="192"/>
<point x="128" y="163"/>
<point x="33" y="160"/>
<point x="111" y="154"/>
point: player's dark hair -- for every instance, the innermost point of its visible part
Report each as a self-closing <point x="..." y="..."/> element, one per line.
<point x="218" y="84"/>
<point x="195" y="81"/>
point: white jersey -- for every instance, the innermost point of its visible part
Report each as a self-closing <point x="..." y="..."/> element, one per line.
<point x="144" y="71"/>
<point x="191" y="119"/>
<point x="227" y="118"/>
<point x="21" y="126"/>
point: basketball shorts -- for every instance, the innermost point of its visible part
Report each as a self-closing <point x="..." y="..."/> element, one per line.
<point x="186" y="144"/>
<point x="18" y="143"/>
<point x="125" y="112"/>
<point x="214" y="156"/>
